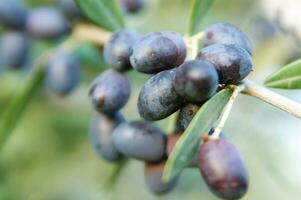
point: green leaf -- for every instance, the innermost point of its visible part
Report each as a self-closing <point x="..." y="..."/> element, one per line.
<point x="188" y="144"/>
<point x="104" y="13"/>
<point x="198" y="10"/>
<point x="15" y="109"/>
<point x="288" y="77"/>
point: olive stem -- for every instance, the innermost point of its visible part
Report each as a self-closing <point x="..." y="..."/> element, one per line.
<point x="172" y="120"/>
<point x="111" y="179"/>
<point x="226" y="112"/>
<point x="199" y="36"/>
<point x="90" y="33"/>
<point x="272" y="98"/>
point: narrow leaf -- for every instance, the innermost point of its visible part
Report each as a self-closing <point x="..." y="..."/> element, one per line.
<point x="288" y="77"/>
<point x="188" y="144"/>
<point x="15" y="109"/>
<point x="198" y="10"/>
<point x="104" y="13"/>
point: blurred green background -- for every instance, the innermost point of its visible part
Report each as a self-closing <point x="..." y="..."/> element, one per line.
<point x="49" y="155"/>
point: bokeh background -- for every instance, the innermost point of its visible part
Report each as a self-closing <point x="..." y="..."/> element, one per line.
<point x="49" y="155"/>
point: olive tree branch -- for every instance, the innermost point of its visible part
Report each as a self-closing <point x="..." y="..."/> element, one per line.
<point x="270" y="97"/>
<point x="226" y="112"/>
<point x="90" y="33"/>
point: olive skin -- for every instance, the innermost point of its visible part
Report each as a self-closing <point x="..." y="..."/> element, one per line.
<point x="152" y="176"/>
<point x="224" y="33"/>
<point x="157" y="98"/>
<point x="46" y="23"/>
<point x="110" y="91"/>
<point x="70" y="10"/>
<point x="158" y="51"/>
<point x="13" y="14"/>
<point x="223" y="169"/>
<point x="118" y="49"/>
<point x="14" y="50"/>
<point x="101" y="129"/>
<point x="232" y="63"/>
<point x="186" y="114"/>
<point x="62" y="73"/>
<point x="140" y="140"/>
<point x="171" y="142"/>
<point x="132" y="6"/>
<point x="196" y="80"/>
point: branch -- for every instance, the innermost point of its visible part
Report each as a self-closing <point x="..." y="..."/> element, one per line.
<point x="272" y="98"/>
<point x="90" y="33"/>
<point x="226" y="112"/>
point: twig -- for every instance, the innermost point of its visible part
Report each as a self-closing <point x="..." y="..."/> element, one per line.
<point x="226" y="112"/>
<point x="272" y="98"/>
<point x="90" y="33"/>
<point x="192" y="44"/>
<point x="110" y="180"/>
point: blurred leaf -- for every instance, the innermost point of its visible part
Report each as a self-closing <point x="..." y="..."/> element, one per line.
<point x="198" y="10"/>
<point x="15" y="109"/>
<point x="288" y="77"/>
<point x="188" y="144"/>
<point x="105" y="13"/>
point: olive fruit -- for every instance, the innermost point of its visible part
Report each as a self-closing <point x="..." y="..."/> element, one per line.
<point x="232" y="63"/>
<point x="157" y="98"/>
<point x="223" y="169"/>
<point x="62" y="73"/>
<point x="153" y="174"/>
<point x="224" y="33"/>
<point x="101" y="128"/>
<point x="186" y="114"/>
<point x="13" y="14"/>
<point x="46" y="23"/>
<point x="131" y="6"/>
<point x="196" y="80"/>
<point x="70" y="9"/>
<point x="158" y="51"/>
<point x="110" y="91"/>
<point x="14" y="49"/>
<point x="140" y="140"/>
<point x="118" y="49"/>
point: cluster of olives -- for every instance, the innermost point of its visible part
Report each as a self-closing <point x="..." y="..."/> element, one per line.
<point x="22" y="25"/>
<point x="176" y="84"/>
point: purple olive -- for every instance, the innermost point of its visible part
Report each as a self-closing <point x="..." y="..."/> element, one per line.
<point x="223" y="169"/>
<point x="185" y="116"/>
<point x="101" y="129"/>
<point x="158" y="51"/>
<point x="110" y="91"/>
<point x="232" y="63"/>
<point x="158" y="98"/>
<point x="118" y="49"/>
<point x="153" y="174"/>
<point x="224" y="33"/>
<point x="46" y="23"/>
<point x="140" y="140"/>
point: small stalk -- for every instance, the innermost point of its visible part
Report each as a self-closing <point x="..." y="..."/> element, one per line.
<point x="270" y="97"/>
<point x="172" y="120"/>
<point x="192" y="43"/>
<point x="226" y="112"/>
<point x="111" y="179"/>
<point x="90" y="33"/>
